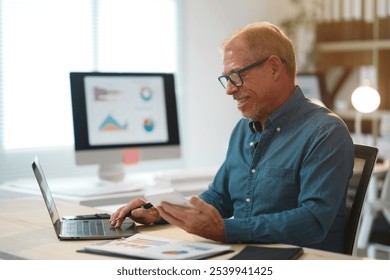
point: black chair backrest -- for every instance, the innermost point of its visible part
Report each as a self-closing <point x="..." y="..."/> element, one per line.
<point x="365" y="159"/>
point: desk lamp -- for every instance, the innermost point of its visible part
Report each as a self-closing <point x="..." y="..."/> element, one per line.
<point x="365" y="99"/>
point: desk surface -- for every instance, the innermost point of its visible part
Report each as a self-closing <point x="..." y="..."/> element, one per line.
<point x="27" y="233"/>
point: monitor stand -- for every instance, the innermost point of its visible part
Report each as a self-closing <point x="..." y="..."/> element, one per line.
<point x="112" y="172"/>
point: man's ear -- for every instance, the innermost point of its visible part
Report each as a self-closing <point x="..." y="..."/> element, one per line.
<point x="276" y="66"/>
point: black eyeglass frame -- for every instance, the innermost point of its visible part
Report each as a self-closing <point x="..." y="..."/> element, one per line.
<point x="223" y="79"/>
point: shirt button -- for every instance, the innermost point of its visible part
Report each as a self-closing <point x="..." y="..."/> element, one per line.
<point x="248" y="200"/>
<point x="251" y="144"/>
<point x="278" y="129"/>
<point x="253" y="171"/>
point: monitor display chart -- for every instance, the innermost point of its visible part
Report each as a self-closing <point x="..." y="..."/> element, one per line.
<point x="123" y="118"/>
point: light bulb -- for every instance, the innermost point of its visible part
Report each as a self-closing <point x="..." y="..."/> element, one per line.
<point x="365" y="99"/>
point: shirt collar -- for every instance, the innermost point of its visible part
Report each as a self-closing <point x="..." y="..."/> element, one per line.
<point x="286" y="112"/>
<point x="283" y="114"/>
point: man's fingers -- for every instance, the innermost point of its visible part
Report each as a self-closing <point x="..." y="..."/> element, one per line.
<point x="119" y="216"/>
<point x="198" y="203"/>
<point x="172" y="219"/>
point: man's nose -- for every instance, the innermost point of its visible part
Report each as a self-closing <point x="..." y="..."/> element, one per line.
<point x="230" y="88"/>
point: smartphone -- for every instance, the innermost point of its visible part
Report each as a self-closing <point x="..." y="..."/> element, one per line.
<point x="170" y="195"/>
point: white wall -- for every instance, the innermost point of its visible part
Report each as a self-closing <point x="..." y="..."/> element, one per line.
<point x="208" y="114"/>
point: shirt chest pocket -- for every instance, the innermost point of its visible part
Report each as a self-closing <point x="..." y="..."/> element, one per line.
<point x="287" y="174"/>
<point x="279" y="190"/>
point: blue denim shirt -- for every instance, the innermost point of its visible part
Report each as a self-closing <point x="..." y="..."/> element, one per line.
<point x="286" y="182"/>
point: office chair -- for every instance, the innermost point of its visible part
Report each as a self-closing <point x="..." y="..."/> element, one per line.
<point x="365" y="158"/>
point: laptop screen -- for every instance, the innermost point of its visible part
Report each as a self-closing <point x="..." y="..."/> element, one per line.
<point x="47" y="196"/>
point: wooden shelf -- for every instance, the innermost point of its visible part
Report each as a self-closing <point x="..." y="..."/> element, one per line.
<point x="349" y="43"/>
<point x="350" y="46"/>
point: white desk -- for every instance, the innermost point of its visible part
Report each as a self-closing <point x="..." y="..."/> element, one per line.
<point x="27" y="233"/>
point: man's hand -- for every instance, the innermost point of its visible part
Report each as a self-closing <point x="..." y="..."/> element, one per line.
<point x="202" y="219"/>
<point x="138" y="214"/>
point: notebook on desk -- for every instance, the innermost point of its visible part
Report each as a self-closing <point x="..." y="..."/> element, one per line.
<point x="94" y="226"/>
<point x="269" y="253"/>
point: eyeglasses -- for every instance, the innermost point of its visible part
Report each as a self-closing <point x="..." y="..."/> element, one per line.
<point x="235" y="76"/>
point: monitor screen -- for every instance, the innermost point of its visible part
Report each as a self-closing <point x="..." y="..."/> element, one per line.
<point x="121" y="118"/>
<point x="312" y="85"/>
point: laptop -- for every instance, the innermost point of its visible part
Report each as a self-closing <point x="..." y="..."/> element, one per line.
<point x="83" y="227"/>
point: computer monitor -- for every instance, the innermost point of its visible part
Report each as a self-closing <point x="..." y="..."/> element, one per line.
<point x="123" y="118"/>
<point x="312" y="85"/>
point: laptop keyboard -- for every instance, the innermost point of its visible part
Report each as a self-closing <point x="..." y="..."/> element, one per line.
<point x="85" y="228"/>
